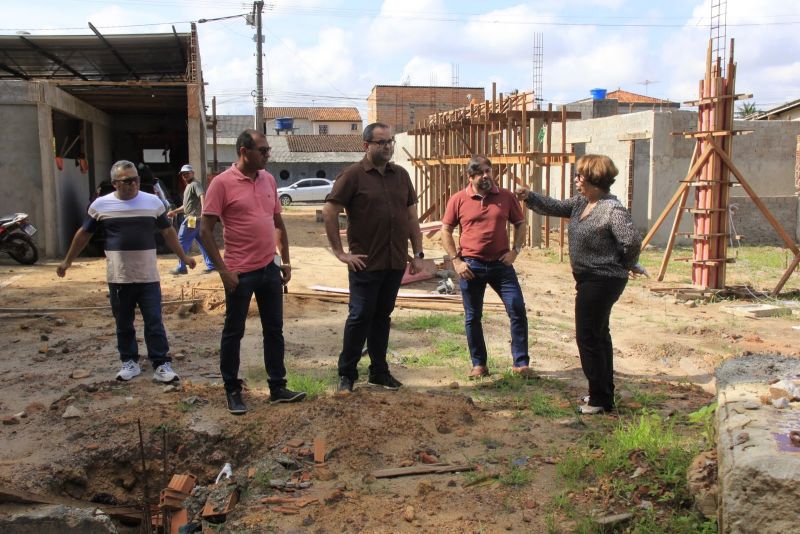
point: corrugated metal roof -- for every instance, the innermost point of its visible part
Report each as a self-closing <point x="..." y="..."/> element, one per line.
<point x="325" y="143"/>
<point x="230" y="126"/>
<point x="343" y="114"/>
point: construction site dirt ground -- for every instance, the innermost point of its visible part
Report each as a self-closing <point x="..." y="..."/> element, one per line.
<point x="661" y="345"/>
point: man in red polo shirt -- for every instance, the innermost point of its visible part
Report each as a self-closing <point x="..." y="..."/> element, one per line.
<point x="245" y="199"/>
<point x="484" y="256"/>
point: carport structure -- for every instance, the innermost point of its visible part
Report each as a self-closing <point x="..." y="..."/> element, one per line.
<point x="71" y="105"/>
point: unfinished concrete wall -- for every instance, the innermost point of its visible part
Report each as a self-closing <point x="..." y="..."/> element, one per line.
<point x="20" y="169"/>
<point x="750" y="223"/>
<point x="766" y="158"/>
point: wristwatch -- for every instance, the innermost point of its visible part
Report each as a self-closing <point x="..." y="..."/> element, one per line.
<point x="419" y="254"/>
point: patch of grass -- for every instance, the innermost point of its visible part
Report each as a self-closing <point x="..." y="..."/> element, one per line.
<point x="446" y="352"/>
<point x="658" y="453"/>
<point x="646" y="399"/>
<point x="313" y="386"/>
<point x="541" y="404"/>
<point x="449" y="349"/>
<point x="516" y="476"/>
<point x="452" y="324"/>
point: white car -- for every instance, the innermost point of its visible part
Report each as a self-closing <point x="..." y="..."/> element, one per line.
<point x="308" y="190"/>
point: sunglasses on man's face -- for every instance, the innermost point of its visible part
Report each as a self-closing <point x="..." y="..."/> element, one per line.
<point x="126" y="181"/>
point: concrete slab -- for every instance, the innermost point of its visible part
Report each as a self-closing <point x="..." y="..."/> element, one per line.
<point x="56" y="519"/>
<point x="759" y="468"/>
<point x="756" y="310"/>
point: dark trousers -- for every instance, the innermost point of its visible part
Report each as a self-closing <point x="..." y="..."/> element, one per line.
<point x="503" y="280"/>
<point x="372" y="298"/>
<point x="124" y="299"/>
<point x="267" y="286"/>
<point x="593" y="302"/>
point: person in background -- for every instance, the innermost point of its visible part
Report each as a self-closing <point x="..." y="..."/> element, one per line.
<point x="603" y="249"/>
<point x="192" y="210"/>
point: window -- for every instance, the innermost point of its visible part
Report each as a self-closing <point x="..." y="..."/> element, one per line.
<point x="305" y="183"/>
<point x="353" y="127"/>
<point x="323" y="129"/>
<point x="284" y="174"/>
<point x="321" y="173"/>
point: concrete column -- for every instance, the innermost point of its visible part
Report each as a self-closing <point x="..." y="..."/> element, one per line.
<point x="196" y="134"/>
<point x="47" y="163"/>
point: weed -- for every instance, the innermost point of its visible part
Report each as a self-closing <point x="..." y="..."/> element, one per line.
<point x="647" y="399"/>
<point x="313" y="386"/>
<point x="516" y="476"/>
<point x="540" y="403"/>
<point x="452" y="324"/>
<point x="705" y="418"/>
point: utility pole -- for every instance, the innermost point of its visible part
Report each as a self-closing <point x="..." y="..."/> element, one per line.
<point x="214" y="132"/>
<point x="259" y="38"/>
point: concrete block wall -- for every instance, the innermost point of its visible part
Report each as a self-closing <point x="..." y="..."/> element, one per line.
<point x="766" y="158"/>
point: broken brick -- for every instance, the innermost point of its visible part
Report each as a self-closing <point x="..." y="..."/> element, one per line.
<point x="295" y="442"/>
<point x="319" y="449"/>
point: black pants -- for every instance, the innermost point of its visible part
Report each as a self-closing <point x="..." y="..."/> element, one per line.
<point x="372" y="298"/>
<point x="595" y="297"/>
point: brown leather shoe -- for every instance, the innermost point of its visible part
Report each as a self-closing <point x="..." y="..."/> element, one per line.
<point x="479" y="371"/>
<point x="524" y="372"/>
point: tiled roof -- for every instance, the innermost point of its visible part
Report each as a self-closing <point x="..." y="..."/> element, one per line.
<point x="626" y="97"/>
<point x="325" y="143"/>
<point x="314" y="114"/>
<point x="788" y="106"/>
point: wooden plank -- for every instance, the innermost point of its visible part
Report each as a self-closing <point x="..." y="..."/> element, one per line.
<point x="421" y="470"/>
<point x="786" y="275"/>
<point x="128" y="513"/>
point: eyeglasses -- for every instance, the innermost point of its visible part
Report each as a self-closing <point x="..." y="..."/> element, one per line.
<point x="382" y="142"/>
<point x="127" y="181"/>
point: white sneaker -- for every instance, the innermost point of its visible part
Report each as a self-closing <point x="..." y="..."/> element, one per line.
<point x="590" y="410"/>
<point x="164" y="373"/>
<point x="129" y="370"/>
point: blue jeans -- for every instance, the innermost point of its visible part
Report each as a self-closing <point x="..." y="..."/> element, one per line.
<point x="372" y="297"/>
<point x="188" y="235"/>
<point x="124" y="299"/>
<point x="503" y="279"/>
<point x="267" y="286"/>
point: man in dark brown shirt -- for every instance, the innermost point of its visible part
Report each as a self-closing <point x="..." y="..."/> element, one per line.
<point x="380" y="202"/>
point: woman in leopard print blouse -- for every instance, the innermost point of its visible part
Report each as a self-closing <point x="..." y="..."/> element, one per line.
<point x="603" y="248"/>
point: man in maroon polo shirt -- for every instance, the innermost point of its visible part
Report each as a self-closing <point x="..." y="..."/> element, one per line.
<point x="382" y="216"/>
<point x="484" y="257"/>
<point x="245" y="199"/>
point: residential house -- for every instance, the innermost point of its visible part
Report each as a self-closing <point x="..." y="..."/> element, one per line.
<point x="314" y="120"/>
<point x="790" y="111"/>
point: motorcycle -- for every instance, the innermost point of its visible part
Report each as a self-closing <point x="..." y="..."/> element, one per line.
<point x="15" y="238"/>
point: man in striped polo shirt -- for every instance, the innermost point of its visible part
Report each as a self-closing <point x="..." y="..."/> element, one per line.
<point x="130" y="218"/>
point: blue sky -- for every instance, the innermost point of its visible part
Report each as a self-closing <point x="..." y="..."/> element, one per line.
<point x="333" y="52"/>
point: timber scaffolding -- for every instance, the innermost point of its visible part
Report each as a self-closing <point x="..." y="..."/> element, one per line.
<point x="709" y="175"/>
<point x="507" y="131"/>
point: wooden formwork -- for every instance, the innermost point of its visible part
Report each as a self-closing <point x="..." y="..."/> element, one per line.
<point x="504" y="129"/>
<point x="709" y="176"/>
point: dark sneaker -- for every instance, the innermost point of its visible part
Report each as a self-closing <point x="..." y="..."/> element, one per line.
<point x="345" y="386"/>
<point x="285" y="395"/>
<point x="235" y="403"/>
<point x="177" y="271"/>
<point x="385" y="381"/>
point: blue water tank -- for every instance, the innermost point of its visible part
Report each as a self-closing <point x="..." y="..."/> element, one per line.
<point x="284" y="123"/>
<point x="598" y="94"/>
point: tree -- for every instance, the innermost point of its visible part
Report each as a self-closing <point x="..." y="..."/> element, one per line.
<point x="746" y="110"/>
